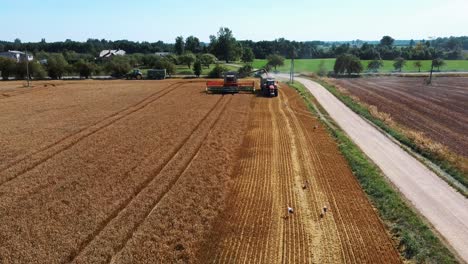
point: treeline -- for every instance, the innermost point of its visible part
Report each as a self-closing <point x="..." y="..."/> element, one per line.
<point x="223" y="47"/>
<point x="91" y="46"/>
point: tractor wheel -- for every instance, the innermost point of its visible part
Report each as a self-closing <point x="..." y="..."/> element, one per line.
<point x="276" y="93"/>
<point x="139" y="77"/>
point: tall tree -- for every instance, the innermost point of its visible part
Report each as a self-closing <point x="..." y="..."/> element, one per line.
<point x="192" y="44"/>
<point x="248" y="55"/>
<point x="387" y="41"/>
<point x="197" y="68"/>
<point x="225" y="45"/>
<point x="179" y="46"/>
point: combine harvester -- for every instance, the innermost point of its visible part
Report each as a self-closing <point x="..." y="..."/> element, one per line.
<point x="232" y="85"/>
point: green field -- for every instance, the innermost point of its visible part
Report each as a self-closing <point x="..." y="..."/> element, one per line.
<point x="311" y="65"/>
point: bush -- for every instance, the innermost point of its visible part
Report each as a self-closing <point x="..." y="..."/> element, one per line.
<point x="118" y="66"/>
<point x="56" y="66"/>
<point x="197" y="68"/>
<point x="164" y="63"/>
<point x="217" y="71"/>
<point x="85" y="68"/>
<point x="374" y="65"/>
<point x="207" y="59"/>
<point x="187" y="59"/>
<point x="7" y="67"/>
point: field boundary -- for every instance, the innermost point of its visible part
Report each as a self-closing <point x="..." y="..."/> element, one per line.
<point x="413" y="237"/>
<point x="441" y="167"/>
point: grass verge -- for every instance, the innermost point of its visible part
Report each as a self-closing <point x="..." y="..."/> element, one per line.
<point x="439" y="160"/>
<point x="414" y="239"/>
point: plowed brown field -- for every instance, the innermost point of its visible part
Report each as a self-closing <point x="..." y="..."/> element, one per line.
<point x="440" y="110"/>
<point x="156" y="172"/>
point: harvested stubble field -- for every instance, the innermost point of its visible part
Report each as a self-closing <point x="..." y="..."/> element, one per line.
<point x="439" y="111"/>
<point x="147" y="172"/>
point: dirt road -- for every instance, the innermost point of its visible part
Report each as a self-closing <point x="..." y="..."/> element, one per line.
<point x="444" y="208"/>
<point x="285" y="148"/>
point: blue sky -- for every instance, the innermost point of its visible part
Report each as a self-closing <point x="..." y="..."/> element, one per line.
<point x="145" y="20"/>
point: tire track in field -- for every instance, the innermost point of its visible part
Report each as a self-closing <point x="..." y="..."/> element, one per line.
<point x="119" y="227"/>
<point x="14" y="93"/>
<point x="31" y="161"/>
<point x="28" y="156"/>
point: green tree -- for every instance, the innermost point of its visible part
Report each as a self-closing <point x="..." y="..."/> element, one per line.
<point x="225" y="46"/>
<point x="7" y="67"/>
<point x="166" y="64"/>
<point x="399" y="63"/>
<point x="374" y="65"/>
<point x="179" y="46"/>
<point x="275" y="60"/>
<point x="245" y="70"/>
<point x="207" y="59"/>
<point x="187" y="59"/>
<point x="322" y="70"/>
<point x="217" y="71"/>
<point x="387" y="41"/>
<point x="35" y="70"/>
<point x="118" y="66"/>
<point x="197" y="68"/>
<point x="347" y="63"/>
<point x="418" y="64"/>
<point x="248" y="55"/>
<point x="192" y="44"/>
<point x="438" y="63"/>
<point x="84" y="68"/>
<point x="57" y="66"/>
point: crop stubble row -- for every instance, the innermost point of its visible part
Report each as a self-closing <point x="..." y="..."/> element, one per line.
<point x="282" y="151"/>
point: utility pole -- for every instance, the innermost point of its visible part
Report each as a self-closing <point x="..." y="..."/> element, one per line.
<point x="292" y="56"/>
<point x="27" y="67"/>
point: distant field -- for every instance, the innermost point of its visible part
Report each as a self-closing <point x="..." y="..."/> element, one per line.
<point x="311" y="65"/>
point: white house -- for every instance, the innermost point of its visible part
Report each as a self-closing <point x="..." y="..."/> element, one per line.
<point x="111" y="53"/>
<point x="16" y="55"/>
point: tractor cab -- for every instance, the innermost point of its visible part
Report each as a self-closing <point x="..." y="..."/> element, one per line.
<point x="269" y="87"/>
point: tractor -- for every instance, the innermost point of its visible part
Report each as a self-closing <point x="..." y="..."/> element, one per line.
<point x="135" y="74"/>
<point x="269" y="87"/>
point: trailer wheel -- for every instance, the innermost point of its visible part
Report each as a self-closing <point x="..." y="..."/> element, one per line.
<point x="138" y="77"/>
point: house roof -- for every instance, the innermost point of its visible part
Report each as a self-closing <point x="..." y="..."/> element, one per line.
<point x="110" y="53"/>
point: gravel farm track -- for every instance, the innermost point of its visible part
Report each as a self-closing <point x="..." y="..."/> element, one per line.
<point x="160" y="172"/>
<point x="440" y="110"/>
